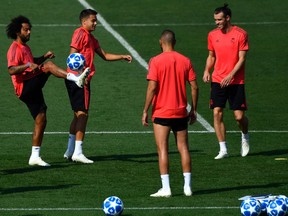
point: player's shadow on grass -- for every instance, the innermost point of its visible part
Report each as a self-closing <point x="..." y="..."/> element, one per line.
<point x="31" y="169"/>
<point x="137" y="158"/>
<point x="246" y="187"/>
<point x="276" y="152"/>
<point x="34" y="188"/>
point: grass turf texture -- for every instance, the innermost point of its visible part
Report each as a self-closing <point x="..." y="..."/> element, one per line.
<point x="126" y="164"/>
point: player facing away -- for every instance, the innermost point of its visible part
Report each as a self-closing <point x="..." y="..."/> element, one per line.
<point x="85" y="43"/>
<point x="168" y="74"/>
<point x="29" y="75"/>
<point x="227" y="45"/>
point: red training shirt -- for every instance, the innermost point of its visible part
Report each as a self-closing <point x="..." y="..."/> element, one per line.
<point x="226" y="48"/>
<point x="86" y="44"/>
<point x="171" y="71"/>
<point x="20" y="54"/>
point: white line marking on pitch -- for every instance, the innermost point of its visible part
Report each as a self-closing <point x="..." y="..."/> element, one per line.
<point x="136" y="132"/>
<point x="154" y="24"/>
<point x="127" y="208"/>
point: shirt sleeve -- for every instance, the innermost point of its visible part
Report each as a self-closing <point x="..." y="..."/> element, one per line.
<point x="244" y="42"/>
<point x="152" y="70"/>
<point x="77" y="39"/>
<point x="210" y="44"/>
<point x="191" y="73"/>
<point x="13" y="57"/>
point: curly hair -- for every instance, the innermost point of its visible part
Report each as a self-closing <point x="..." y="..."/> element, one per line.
<point x="15" y="26"/>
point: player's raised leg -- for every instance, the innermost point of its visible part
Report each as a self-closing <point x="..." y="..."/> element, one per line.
<point x="50" y="67"/>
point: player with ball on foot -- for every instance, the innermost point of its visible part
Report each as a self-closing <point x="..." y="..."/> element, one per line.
<point x="85" y="43"/>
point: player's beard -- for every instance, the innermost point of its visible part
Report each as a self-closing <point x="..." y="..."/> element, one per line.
<point x="25" y="39"/>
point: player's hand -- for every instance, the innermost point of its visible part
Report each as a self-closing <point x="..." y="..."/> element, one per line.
<point x="226" y="81"/>
<point x="206" y="77"/>
<point x="145" y="119"/>
<point x="49" y="55"/>
<point x="34" y="67"/>
<point x="127" y="58"/>
<point x="192" y="117"/>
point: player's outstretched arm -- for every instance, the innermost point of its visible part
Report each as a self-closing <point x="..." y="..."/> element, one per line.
<point x="112" y="57"/>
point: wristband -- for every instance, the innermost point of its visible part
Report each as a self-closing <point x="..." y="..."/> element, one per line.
<point x="28" y="64"/>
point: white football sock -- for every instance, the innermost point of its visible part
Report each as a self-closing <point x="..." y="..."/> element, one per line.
<point x="165" y="182"/>
<point x="245" y="136"/>
<point x="78" y="147"/>
<point x="35" y="153"/>
<point x="72" y="77"/>
<point x="187" y="179"/>
<point x="223" y="147"/>
<point x="71" y="143"/>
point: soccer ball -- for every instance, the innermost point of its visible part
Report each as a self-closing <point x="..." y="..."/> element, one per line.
<point x="76" y="61"/>
<point x="250" y="207"/>
<point x="113" y="206"/>
<point x="264" y="204"/>
<point x="277" y="207"/>
<point x="285" y="199"/>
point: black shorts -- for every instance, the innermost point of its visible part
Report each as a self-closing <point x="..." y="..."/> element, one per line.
<point x="32" y="94"/>
<point x="235" y="94"/>
<point x="79" y="97"/>
<point x="176" y="124"/>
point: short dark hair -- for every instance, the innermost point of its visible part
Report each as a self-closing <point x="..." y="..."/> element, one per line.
<point x="168" y="36"/>
<point x="86" y="13"/>
<point x="224" y="9"/>
<point x="15" y="26"/>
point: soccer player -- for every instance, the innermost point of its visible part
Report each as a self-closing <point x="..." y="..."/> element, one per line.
<point x="85" y="43"/>
<point x="167" y="76"/>
<point x="29" y="75"/>
<point x="227" y="45"/>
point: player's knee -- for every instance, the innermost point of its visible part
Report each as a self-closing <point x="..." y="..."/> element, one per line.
<point x="48" y="66"/>
<point x="82" y="114"/>
<point x="218" y="114"/>
<point x="239" y="117"/>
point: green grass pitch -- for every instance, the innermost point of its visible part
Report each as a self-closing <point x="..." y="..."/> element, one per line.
<point x="124" y="152"/>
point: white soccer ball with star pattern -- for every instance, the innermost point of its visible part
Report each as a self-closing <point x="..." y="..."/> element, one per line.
<point x="113" y="206"/>
<point x="76" y="62"/>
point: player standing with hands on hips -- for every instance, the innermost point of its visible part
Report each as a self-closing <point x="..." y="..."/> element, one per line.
<point x="29" y="75"/>
<point x="167" y="76"/>
<point x="85" y="43"/>
<point x="227" y="45"/>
